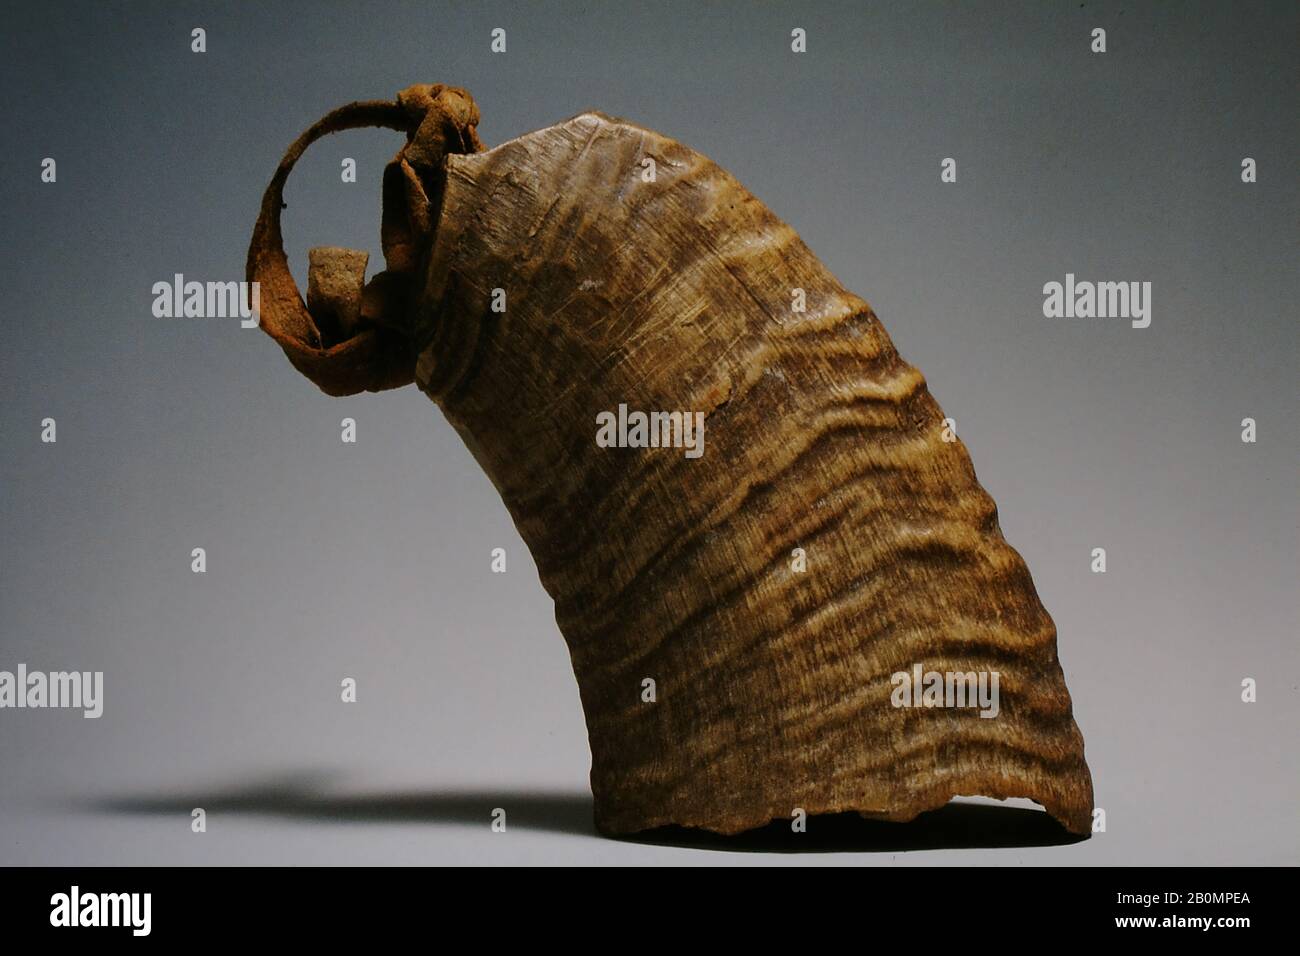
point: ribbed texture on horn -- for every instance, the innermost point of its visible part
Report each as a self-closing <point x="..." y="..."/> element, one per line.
<point x="773" y="687"/>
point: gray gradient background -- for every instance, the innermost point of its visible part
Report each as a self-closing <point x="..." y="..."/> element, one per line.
<point x="328" y="560"/>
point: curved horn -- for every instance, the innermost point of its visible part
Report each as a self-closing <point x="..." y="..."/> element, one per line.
<point x="782" y="586"/>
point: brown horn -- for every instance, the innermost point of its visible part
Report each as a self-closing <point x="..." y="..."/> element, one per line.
<point x="760" y="537"/>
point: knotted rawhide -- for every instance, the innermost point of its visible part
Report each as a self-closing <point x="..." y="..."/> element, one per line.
<point x="367" y="350"/>
<point x="782" y="587"/>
